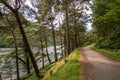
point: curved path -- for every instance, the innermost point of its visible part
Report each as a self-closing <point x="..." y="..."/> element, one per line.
<point x="98" y="67"/>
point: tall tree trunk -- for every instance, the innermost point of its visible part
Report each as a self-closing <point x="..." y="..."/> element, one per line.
<point x="16" y="51"/>
<point x="67" y="29"/>
<point x="61" y="42"/>
<point x="65" y="45"/>
<point x="11" y="28"/>
<point x="76" y="43"/>
<point x="46" y="46"/>
<point x="24" y="38"/>
<point x="75" y="35"/>
<point x="72" y="44"/>
<point x="0" y="76"/>
<point x="54" y="41"/>
<point x="79" y="41"/>
<point x="42" y="54"/>
<point x="27" y="46"/>
<point x="28" y="65"/>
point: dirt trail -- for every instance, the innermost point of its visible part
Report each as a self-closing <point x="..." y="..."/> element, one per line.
<point x="98" y="67"/>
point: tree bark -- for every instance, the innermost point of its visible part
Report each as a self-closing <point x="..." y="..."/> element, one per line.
<point x="46" y="46"/>
<point x="24" y="38"/>
<point x="27" y="46"/>
<point x="42" y="54"/>
<point x="0" y="77"/>
<point x="16" y="51"/>
<point x="75" y="35"/>
<point x="28" y="65"/>
<point x="67" y="30"/>
<point x="61" y="42"/>
<point x="65" y="45"/>
<point x="54" y="41"/>
<point x="16" y="47"/>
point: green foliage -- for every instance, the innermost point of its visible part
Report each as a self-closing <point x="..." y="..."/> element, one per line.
<point x="100" y="7"/>
<point x="109" y="53"/>
<point x="37" y="20"/>
<point x="90" y="37"/>
<point x="79" y="30"/>
<point x="106" y="22"/>
<point x="103" y="43"/>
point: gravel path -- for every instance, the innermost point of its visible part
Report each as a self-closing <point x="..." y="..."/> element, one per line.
<point x="98" y="67"/>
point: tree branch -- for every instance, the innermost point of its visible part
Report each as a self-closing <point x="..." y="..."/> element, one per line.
<point x="7" y="5"/>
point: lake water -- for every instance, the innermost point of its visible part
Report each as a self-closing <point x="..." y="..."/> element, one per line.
<point x="35" y="50"/>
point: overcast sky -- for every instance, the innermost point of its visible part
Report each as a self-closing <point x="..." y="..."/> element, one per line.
<point x="60" y="17"/>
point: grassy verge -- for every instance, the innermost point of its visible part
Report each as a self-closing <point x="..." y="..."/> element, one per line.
<point x="111" y="54"/>
<point x="66" y="69"/>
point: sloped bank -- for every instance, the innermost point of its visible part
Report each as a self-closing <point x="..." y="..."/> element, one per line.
<point x="66" y="69"/>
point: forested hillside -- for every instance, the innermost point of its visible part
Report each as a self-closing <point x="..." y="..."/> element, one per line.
<point x="106" y="26"/>
<point x="36" y="33"/>
<point x="37" y="38"/>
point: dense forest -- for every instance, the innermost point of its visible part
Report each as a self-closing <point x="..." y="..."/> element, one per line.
<point x="30" y="27"/>
<point x="106" y="25"/>
<point x="35" y="33"/>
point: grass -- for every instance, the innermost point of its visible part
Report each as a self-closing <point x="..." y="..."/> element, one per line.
<point x="32" y="75"/>
<point x="112" y="54"/>
<point x="66" y="69"/>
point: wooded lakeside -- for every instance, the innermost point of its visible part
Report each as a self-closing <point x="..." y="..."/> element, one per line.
<point x="36" y="34"/>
